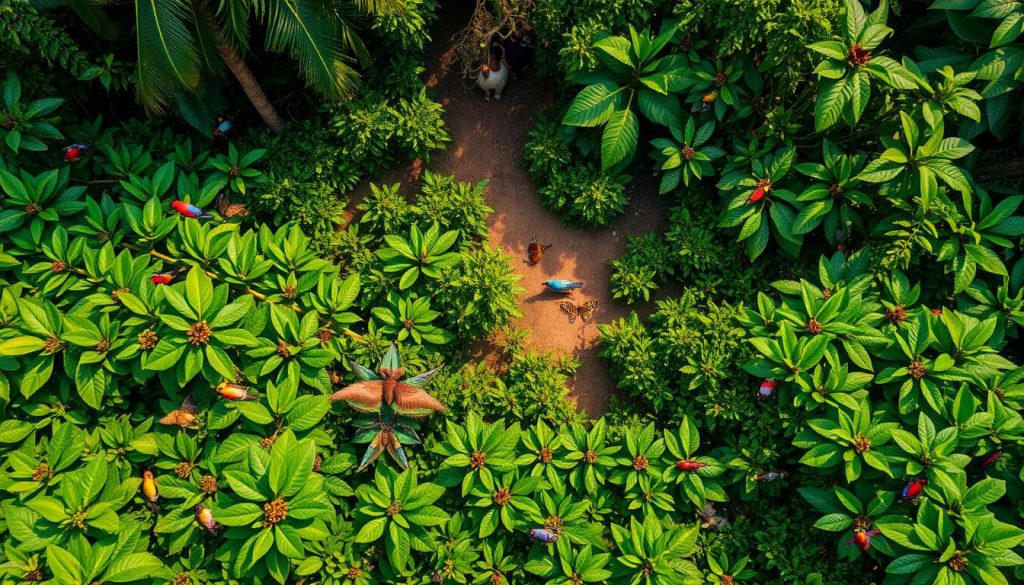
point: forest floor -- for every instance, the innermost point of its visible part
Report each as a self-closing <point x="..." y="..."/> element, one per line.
<point x="487" y="139"/>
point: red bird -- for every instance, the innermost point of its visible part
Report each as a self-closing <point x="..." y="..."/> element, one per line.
<point x="74" y="152"/>
<point x="766" y="389"/>
<point x="912" y="489"/>
<point x="991" y="459"/>
<point x="756" y="196"/>
<point x="189" y="210"/>
<point x="862" y="538"/>
<point x="689" y="465"/>
<point x="164" y="277"/>
<point x="937" y="312"/>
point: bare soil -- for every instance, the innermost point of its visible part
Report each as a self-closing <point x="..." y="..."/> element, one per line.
<point x="487" y="139"/>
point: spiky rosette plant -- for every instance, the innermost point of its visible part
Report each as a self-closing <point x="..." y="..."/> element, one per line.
<point x="386" y="431"/>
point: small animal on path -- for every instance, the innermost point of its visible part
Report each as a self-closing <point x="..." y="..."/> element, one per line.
<point x="492" y="78"/>
<point x="584" y="311"/>
<point x="535" y="250"/>
<point x="563" y="285"/>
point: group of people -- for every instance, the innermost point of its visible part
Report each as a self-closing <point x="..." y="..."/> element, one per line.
<point x="509" y="54"/>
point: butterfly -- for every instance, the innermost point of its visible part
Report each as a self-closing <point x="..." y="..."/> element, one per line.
<point x="407" y="396"/>
<point x="536" y="249"/>
<point x="710" y="517"/>
<point x="183" y="416"/>
<point x="584" y="311"/>
<point x="228" y="209"/>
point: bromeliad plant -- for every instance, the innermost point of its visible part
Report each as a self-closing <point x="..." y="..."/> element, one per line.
<point x="26" y="126"/>
<point x="278" y="504"/>
<point x="687" y="157"/>
<point x="423" y="253"/>
<point x="850" y="67"/>
<point x="400" y="510"/>
<point x="695" y="474"/>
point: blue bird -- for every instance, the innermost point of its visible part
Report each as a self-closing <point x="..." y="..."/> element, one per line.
<point x="223" y="127"/>
<point x="563" y="286"/>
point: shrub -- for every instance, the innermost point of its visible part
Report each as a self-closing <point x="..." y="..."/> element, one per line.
<point x="480" y="294"/>
<point x="454" y="205"/>
<point x="585" y="196"/>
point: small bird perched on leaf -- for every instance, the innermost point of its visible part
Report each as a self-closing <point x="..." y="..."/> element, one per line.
<point x="184" y="416"/>
<point x="150" y="490"/>
<point x="204" y="516"/>
<point x="862" y="538"/>
<point x="535" y="251"/>
<point x="563" y="286"/>
<point x="766" y="389"/>
<point x="189" y="210"/>
<point x="770" y="476"/>
<point x="912" y="489"/>
<point x="407" y="397"/>
<point x="223" y="127"/>
<point x="543" y="534"/>
<point x="756" y="196"/>
<point x="689" y="465"/>
<point x="74" y="152"/>
<point x="227" y="209"/>
<point x="233" y="391"/>
<point x="705" y="102"/>
<point x="165" y="277"/>
<point x="991" y="459"/>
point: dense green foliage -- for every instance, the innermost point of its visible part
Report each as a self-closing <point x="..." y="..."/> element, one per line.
<point x="835" y="304"/>
<point x="836" y="129"/>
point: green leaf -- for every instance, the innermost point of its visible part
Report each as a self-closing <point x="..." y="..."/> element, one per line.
<point x="66" y="568"/>
<point x="372" y="530"/>
<point x="832" y="99"/>
<point x="288" y="542"/>
<point x="238" y="515"/>
<point x="21" y="345"/>
<point x="137" y="566"/>
<point x="834" y="522"/>
<point x="593" y="106"/>
<point x="618" y="142"/>
<point x="822" y="455"/>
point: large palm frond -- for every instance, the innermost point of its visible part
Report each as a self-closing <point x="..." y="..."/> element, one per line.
<point x="206" y="33"/>
<point x="233" y="19"/>
<point x="168" y="59"/>
<point x="310" y="34"/>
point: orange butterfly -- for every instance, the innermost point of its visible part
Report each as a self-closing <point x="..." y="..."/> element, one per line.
<point x="584" y="311"/>
<point x="183" y="416"/>
<point x="536" y="250"/>
<point x="228" y="209"/>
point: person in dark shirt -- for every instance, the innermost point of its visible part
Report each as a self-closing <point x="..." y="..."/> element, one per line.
<point x="517" y="50"/>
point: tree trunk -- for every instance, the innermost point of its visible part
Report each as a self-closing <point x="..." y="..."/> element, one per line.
<point x="244" y="75"/>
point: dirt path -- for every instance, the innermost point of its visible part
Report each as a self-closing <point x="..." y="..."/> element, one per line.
<point x="487" y="139"/>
